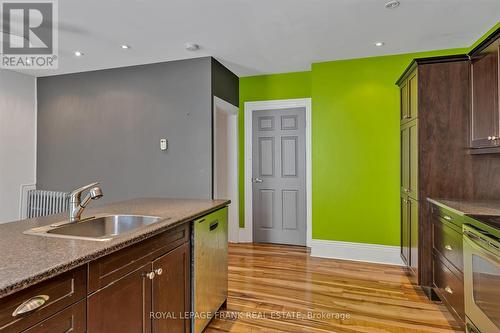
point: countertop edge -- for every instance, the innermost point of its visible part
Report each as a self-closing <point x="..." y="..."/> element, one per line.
<point x="437" y="202"/>
<point x="54" y="271"/>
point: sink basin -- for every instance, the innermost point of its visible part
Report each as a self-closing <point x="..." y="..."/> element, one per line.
<point x="97" y="228"/>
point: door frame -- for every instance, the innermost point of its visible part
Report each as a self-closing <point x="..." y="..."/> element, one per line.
<point x="246" y="233"/>
<point x="233" y="223"/>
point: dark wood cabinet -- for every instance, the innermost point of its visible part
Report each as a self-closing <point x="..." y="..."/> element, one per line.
<point x="72" y="319"/>
<point x="485" y="89"/>
<point x="409" y="99"/>
<point x="126" y="293"/>
<point x="171" y="291"/>
<point x="36" y="303"/>
<point x="409" y="171"/>
<point x="115" y="293"/>
<point x="405" y="230"/>
<point x="413" y="211"/>
<point x="122" y="306"/>
<point x="449" y="287"/>
<point x="409" y="158"/>
<point x="409" y="232"/>
<point x="435" y="108"/>
<point x="447" y="259"/>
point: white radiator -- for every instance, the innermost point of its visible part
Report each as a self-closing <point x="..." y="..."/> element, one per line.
<point x="42" y="203"/>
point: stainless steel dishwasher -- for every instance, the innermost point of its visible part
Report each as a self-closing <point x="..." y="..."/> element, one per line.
<point x="210" y="275"/>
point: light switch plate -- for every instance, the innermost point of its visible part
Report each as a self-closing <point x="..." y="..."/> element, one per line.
<point x="163" y="144"/>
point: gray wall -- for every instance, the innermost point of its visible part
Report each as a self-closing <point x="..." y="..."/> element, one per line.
<point x="106" y="125"/>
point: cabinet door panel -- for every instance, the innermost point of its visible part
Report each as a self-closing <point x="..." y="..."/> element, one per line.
<point x="413" y="96"/>
<point x="485" y="109"/>
<point x="61" y="291"/>
<point x="413" y="160"/>
<point x="72" y="319"/>
<point x="413" y="217"/>
<point x="405" y="231"/>
<point x="123" y="306"/>
<point x="171" y="291"/>
<point x="405" y="159"/>
<point x="404" y="101"/>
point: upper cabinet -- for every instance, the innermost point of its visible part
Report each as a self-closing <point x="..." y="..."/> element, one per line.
<point x="485" y="111"/>
<point x="408" y="98"/>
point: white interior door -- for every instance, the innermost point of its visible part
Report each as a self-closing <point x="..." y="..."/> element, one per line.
<point x="279" y="176"/>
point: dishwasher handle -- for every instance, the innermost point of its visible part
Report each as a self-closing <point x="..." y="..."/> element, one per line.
<point x="214" y="225"/>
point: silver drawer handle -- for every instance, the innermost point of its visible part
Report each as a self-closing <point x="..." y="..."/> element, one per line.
<point x="30" y="305"/>
<point x="447" y="218"/>
<point x="257" y="180"/>
<point x="448" y="290"/>
<point x="448" y="247"/>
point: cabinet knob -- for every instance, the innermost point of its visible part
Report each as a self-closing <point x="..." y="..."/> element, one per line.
<point x="448" y="247"/>
<point x="492" y="138"/>
<point x="150" y="275"/>
<point x="448" y="290"/>
<point x="158" y="271"/>
<point x="447" y="218"/>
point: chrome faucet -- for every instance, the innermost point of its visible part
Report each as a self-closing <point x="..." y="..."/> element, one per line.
<point x="77" y="205"/>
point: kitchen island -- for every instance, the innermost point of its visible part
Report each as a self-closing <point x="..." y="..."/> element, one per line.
<point x="101" y="286"/>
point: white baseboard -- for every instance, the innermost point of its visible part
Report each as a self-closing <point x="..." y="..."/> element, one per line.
<point x="381" y="254"/>
<point x="245" y="235"/>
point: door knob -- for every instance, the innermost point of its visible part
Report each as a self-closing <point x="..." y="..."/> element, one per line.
<point x="257" y="180"/>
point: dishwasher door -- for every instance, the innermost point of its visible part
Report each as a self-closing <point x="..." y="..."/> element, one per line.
<point x="210" y="266"/>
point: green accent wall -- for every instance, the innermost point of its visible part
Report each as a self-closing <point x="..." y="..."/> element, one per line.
<point x="355" y="142"/>
<point x="355" y="148"/>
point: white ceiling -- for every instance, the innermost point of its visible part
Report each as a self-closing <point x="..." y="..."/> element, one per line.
<point x="261" y="36"/>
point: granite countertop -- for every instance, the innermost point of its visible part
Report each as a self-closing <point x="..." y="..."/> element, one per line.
<point x="29" y="259"/>
<point x="467" y="207"/>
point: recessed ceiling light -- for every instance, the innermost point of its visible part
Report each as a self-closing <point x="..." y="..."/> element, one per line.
<point x="392" y="4"/>
<point x="125" y="46"/>
<point x="379" y="44"/>
<point x="78" y="53"/>
<point x="192" y="47"/>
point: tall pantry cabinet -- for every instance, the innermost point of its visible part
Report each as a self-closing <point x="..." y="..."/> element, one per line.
<point x="433" y="133"/>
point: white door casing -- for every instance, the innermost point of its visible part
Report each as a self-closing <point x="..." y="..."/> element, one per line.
<point x="225" y="152"/>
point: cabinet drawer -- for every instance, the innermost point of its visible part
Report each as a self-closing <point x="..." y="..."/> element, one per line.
<point x="112" y="267"/>
<point x="72" y="319"/>
<point x="448" y="286"/>
<point x="53" y="295"/>
<point x="448" y="242"/>
<point x="447" y="216"/>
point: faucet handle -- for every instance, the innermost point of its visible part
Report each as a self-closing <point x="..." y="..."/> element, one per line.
<point x="76" y="193"/>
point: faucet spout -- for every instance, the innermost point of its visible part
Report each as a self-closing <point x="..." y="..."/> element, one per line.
<point x="77" y="205"/>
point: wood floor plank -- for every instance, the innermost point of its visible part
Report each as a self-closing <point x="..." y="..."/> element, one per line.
<point x="277" y="288"/>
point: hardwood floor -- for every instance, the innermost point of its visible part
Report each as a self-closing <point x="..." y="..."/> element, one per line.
<point x="273" y="289"/>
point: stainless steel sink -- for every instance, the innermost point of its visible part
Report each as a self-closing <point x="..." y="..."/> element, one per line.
<point x="97" y="228"/>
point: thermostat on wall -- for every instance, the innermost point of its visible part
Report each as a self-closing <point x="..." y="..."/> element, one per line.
<point x="163" y="144"/>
